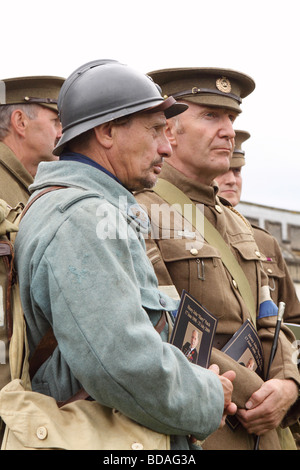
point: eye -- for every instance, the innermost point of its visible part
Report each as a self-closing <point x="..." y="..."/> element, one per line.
<point x="159" y="128"/>
<point x="210" y="114"/>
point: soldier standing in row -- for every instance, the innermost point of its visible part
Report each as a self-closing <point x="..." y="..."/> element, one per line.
<point x="281" y="286"/>
<point x="202" y="141"/>
<point x="29" y="131"/>
<point x="101" y="295"/>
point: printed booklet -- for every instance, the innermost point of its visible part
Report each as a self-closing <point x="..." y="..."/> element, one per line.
<point x="245" y="348"/>
<point x="194" y="330"/>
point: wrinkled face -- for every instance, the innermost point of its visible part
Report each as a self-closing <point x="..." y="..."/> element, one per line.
<point x="43" y="133"/>
<point x="230" y="185"/>
<point x="140" y="147"/>
<point x="202" y="140"/>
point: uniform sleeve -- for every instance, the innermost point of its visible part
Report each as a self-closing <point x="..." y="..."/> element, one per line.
<point x="286" y="290"/>
<point x="284" y="365"/>
<point x="154" y="255"/>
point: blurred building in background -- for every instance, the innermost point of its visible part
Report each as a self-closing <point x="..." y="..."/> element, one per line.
<point x="284" y="225"/>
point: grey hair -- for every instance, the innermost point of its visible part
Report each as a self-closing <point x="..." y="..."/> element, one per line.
<point x="31" y="111"/>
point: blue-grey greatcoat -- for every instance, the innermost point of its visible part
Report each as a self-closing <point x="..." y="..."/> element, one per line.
<point x="83" y="270"/>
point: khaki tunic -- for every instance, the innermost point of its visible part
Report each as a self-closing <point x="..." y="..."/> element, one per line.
<point x="282" y="290"/>
<point x="14" y="178"/>
<point x="281" y="285"/>
<point x="194" y="265"/>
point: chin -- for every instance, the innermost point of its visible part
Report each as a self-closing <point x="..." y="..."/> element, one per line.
<point x="143" y="184"/>
<point x="233" y="201"/>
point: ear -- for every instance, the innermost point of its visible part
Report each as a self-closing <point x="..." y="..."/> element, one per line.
<point x="19" y="122"/>
<point x="104" y="134"/>
<point x="171" y="131"/>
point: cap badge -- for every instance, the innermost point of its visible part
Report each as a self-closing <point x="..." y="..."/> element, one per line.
<point x="223" y="84"/>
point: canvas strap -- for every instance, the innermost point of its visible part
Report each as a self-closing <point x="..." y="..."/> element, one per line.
<point x="175" y="196"/>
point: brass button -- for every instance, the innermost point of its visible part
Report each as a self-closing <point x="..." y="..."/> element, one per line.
<point x="137" y="446"/>
<point x="41" y="432"/>
<point x="269" y="270"/>
<point x="234" y="283"/>
<point x="257" y="253"/>
<point x="218" y="208"/>
<point x="194" y="251"/>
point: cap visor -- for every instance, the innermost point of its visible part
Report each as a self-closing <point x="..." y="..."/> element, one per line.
<point x="170" y="107"/>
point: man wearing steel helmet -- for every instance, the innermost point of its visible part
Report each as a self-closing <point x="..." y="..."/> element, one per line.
<point x="220" y="264"/>
<point x="85" y="272"/>
<point x="29" y="131"/>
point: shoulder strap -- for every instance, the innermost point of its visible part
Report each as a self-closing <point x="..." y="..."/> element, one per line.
<point x="173" y="196"/>
<point x="47" y="190"/>
<point x="48" y="343"/>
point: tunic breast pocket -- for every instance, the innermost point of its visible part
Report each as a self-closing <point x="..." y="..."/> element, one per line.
<point x="197" y="268"/>
<point x="275" y="275"/>
<point x="249" y="258"/>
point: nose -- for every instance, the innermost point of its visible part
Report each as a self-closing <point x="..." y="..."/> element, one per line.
<point x="231" y="179"/>
<point x="227" y="128"/>
<point x="165" y="148"/>
<point x="59" y="131"/>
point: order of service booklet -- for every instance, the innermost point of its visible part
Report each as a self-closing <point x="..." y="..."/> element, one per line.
<point x="245" y="348"/>
<point x="194" y="330"/>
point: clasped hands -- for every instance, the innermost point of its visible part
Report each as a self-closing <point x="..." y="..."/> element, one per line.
<point x="266" y="407"/>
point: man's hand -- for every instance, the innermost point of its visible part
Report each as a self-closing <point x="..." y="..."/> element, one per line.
<point x="267" y="406"/>
<point x="226" y="379"/>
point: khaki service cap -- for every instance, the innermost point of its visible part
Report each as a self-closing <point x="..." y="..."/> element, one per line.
<point x="41" y="90"/>
<point x="238" y="157"/>
<point x="206" y="86"/>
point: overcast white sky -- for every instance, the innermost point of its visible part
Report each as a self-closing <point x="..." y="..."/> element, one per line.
<point x="259" y="37"/>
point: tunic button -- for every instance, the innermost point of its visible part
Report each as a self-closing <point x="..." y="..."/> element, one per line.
<point x="41" y="432"/>
<point x="162" y="302"/>
<point x="218" y="208"/>
<point x="234" y="283"/>
<point x="194" y="251"/>
<point x="137" y="446"/>
<point x="269" y="270"/>
<point x="258" y="254"/>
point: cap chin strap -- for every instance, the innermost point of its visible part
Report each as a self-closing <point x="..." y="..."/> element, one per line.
<point x="30" y="99"/>
<point x="198" y="91"/>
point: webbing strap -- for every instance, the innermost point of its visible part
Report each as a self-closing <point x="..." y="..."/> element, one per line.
<point x="173" y="196"/>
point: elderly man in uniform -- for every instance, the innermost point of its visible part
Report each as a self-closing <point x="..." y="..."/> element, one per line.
<point x="282" y="288"/>
<point x="87" y="275"/>
<point x="29" y="130"/>
<point x="228" y="282"/>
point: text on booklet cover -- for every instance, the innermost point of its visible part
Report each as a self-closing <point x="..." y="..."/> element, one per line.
<point x="194" y="330"/>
